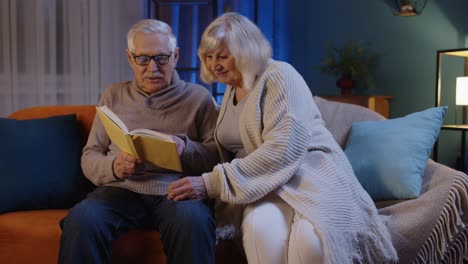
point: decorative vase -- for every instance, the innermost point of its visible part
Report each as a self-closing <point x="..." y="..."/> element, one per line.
<point x="346" y="83"/>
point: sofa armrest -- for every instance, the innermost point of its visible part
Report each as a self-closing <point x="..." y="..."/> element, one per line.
<point x="431" y="227"/>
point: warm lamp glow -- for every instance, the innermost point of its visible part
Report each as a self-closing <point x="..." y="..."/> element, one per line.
<point x="462" y="91"/>
<point x="406" y="8"/>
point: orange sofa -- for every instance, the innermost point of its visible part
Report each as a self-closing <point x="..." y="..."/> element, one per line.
<point x="432" y="228"/>
<point x="34" y="236"/>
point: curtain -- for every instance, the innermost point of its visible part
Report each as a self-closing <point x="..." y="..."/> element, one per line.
<point x="58" y="52"/>
<point x="188" y="20"/>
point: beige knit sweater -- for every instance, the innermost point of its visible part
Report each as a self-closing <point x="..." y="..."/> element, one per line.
<point x="291" y="153"/>
<point x="183" y="109"/>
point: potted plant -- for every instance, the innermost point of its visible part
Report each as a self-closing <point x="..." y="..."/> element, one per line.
<point x="352" y="64"/>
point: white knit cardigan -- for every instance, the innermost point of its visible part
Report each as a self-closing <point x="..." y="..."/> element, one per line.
<point x="291" y="153"/>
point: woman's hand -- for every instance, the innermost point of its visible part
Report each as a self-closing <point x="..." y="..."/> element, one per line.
<point x="187" y="188"/>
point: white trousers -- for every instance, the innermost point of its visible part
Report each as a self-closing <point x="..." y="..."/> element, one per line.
<point x="273" y="232"/>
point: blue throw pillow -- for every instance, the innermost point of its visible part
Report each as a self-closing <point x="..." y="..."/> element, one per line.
<point x="389" y="156"/>
<point x="40" y="164"/>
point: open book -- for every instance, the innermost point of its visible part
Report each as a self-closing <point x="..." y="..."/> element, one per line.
<point x="145" y="144"/>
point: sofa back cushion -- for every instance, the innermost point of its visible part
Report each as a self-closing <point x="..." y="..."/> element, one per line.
<point x="339" y="117"/>
<point x="389" y="157"/>
<point x="40" y="158"/>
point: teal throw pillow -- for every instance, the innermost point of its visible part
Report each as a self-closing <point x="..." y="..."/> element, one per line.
<point x="40" y="164"/>
<point x="389" y="156"/>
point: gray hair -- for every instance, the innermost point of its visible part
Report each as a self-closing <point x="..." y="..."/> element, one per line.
<point x="151" y="26"/>
<point x="246" y="43"/>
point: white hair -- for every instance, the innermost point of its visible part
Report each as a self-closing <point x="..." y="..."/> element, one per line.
<point x="151" y="26"/>
<point x="246" y="43"/>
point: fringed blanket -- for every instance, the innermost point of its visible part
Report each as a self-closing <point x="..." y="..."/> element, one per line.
<point x="432" y="227"/>
<point x="429" y="229"/>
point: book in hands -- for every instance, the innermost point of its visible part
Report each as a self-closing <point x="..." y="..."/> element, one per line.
<point x="148" y="145"/>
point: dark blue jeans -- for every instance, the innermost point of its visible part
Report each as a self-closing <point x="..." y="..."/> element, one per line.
<point x="187" y="227"/>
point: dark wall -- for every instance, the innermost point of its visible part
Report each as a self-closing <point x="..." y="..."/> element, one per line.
<point x="407" y="47"/>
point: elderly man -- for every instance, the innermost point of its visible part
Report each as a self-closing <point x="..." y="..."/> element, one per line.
<point x="132" y="194"/>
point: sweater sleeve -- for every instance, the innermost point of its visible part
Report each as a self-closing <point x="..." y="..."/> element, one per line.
<point x="201" y="155"/>
<point x="95" y="161"/>
<point x="280" y="140"/>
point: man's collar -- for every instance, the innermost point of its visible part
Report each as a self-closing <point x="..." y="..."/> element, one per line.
<point x="174" y="82"/>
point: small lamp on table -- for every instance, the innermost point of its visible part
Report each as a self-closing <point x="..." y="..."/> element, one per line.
<point x="461" y="97"/>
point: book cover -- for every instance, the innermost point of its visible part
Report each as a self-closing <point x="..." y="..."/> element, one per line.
<point x="145" y="144"/>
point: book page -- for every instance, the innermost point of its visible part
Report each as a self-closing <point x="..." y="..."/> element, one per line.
<point x="151" y="133"/>
<point x="114" y="118"/>
<point x="161" y="153"/>
<point x="116" y="134"/>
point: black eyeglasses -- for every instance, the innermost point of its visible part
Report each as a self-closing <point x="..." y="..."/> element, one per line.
<point x="145" y="60"/>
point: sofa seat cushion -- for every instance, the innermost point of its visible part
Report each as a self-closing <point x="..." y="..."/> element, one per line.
<point x="30" y="236"/>
<point x="38" y="233"/>
<point x="34" y="237"/>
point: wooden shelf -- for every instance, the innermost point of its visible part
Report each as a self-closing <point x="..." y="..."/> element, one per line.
<point x="463" y="52"/>
<point x="455" y="127"/>
<point x="377" y="103"/>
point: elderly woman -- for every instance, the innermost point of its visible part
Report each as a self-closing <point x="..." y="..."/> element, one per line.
<point x="303" y="203"/>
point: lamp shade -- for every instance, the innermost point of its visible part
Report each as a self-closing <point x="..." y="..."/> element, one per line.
<point x="406" y="8"/>
<point x="461" y="97"/>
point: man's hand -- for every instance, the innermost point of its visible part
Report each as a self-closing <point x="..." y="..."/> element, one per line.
<point x="180" y="144"/>
<point x="187" y="188"/>
<point x="125" y="165"/>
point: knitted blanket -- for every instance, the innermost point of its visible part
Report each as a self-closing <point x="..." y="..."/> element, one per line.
<point x="430" y="229"/>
